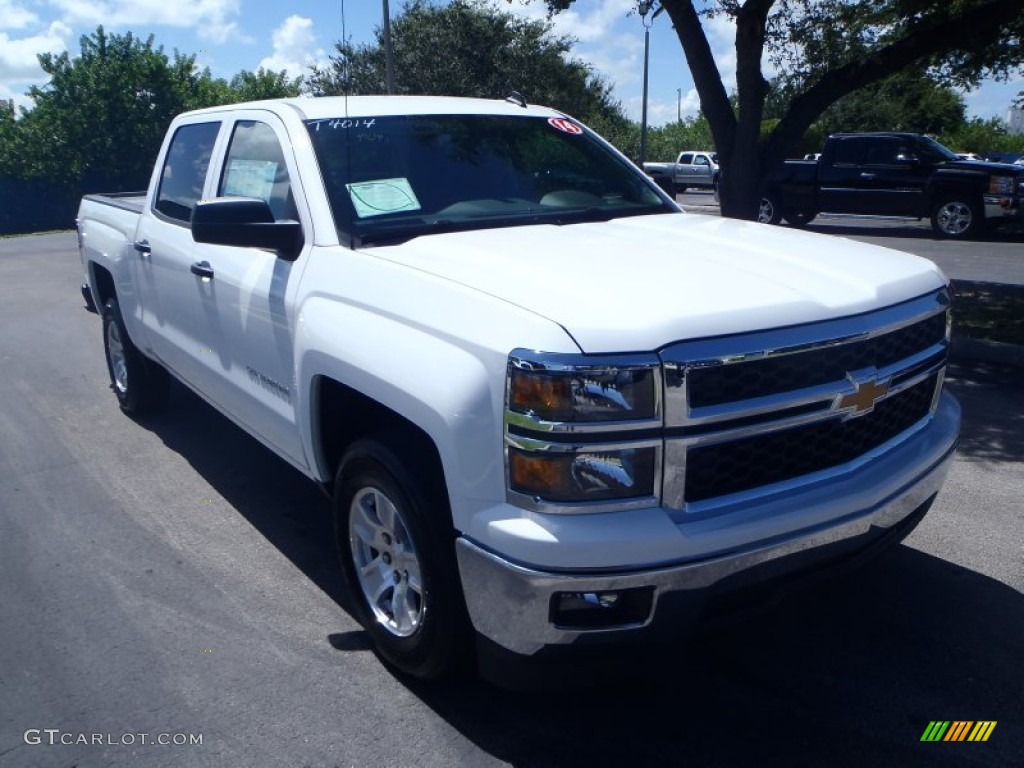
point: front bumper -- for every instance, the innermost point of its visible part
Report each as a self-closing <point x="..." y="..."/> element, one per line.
<point x="1004" y="209"/>
<point x="513" y="604"/>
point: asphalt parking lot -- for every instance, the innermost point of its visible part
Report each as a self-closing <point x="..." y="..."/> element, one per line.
<point x="171" y="577"/>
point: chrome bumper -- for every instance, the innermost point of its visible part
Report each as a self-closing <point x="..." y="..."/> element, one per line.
<point x="1003" y="208"/>
<point x="512" y="605"/>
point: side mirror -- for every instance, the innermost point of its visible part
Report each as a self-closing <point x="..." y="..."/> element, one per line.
<point x="246" y="222"/>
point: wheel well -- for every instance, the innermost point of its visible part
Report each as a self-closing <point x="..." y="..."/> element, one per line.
<point x="346" y="415"/>
<point x="103" y="283"/>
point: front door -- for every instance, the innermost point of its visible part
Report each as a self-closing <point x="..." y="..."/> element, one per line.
<point x="249" y="309"/>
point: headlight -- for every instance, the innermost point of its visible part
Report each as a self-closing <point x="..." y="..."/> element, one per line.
<point x="582" y="474"/>
<point x="581" y="430"/>
<point x="560" y="392"/>
<point x="1001" y="185"/>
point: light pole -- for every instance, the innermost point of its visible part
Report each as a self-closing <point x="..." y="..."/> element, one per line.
<point x="679" y="105"/>
<point x="389" y="64"/>
<point x="643" y="9"/>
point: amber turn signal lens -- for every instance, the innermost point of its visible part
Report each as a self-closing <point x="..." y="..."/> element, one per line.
<point x="548" y="397"/>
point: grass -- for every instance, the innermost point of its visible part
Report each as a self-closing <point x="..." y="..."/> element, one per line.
<point x="989" y="311"/>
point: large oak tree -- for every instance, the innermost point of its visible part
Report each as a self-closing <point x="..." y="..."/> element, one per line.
<point x="824" y="50"/>
<point x="468" y="48"/>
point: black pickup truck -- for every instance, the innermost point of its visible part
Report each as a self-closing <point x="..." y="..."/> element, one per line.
<point x="896" y="174"/>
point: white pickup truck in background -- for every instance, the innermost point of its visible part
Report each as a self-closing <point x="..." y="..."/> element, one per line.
<point x="550" y="406"/>
<point x="691" y="170"/>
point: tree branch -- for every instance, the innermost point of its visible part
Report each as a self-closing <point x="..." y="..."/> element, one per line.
<point x="714" y="101"/>
<point x="970" y="30"/>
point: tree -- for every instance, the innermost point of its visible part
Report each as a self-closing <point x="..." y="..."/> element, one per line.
<point x="825" y="50"/>
<point x="100" y="119"/>
<point x="470" y="48"/>
<point x="907" y="101"/>
<point x="263" y="84"/>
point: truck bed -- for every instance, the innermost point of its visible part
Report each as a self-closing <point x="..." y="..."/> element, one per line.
<point x="129" y="201"/>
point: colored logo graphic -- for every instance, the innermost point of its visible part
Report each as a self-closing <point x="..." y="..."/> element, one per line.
<point x="958" y="730"/>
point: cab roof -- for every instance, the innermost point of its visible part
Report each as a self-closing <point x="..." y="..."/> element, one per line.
<point x="324" y="107"/>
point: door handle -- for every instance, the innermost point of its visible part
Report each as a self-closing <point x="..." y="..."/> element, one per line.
<point x="202" y="269"/>
<point x="142" y="246"/>
<point x="867" y="175"/>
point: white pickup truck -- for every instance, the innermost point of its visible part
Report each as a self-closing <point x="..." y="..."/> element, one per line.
<point x="696" y="170"/>
<point x="551" y="406"/>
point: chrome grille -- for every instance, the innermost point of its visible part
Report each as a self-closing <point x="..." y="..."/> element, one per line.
<point x="739" y="465"/>
<point x="743" y="412"/>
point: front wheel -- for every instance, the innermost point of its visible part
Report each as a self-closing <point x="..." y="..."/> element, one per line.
<point x="799" y="218"/>
<point x="395" y="540"/>
<point x="140" y="385"/>
<point x="956" y="218"/>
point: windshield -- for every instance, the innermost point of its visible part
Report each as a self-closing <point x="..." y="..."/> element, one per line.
<point x="935" y="152"/>
<point x="393" y="178"/>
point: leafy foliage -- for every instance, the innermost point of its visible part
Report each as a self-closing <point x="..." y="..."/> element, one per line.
<point x="262" y="84"/>
<point x="825" y="50"/>
<point x="99" y="121"/>
<point x="472" y="48"/>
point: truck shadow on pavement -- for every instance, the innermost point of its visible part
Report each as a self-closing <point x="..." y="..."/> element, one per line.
<point x="849" y="673"/>
<point x="993" y="426"/>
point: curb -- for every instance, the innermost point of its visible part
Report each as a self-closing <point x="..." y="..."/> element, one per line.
<point x="966" y="350"/>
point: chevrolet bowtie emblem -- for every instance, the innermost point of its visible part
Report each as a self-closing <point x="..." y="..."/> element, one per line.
<point x="862" y="400"/>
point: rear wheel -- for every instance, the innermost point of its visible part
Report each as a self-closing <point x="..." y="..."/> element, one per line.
<point x="957" y="218"/>
<point x="396" y="544"/>
<point x="769" y="212"/>
<point x="140" y="385"/>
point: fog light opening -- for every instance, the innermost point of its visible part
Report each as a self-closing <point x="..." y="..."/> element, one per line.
<point x="602" y="610"/>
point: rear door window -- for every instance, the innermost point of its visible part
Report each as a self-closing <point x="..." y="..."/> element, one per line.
<point x="184" y="171"/>
<point x="848" y="152"/>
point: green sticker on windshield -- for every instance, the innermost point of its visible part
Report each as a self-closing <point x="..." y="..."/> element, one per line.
<point x="376" y="198"/>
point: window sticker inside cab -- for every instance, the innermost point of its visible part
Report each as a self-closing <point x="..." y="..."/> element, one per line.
<point x="250" y="178"/>
<point x="382" y="196"/>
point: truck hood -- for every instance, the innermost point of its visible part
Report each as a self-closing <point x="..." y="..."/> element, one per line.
<point x="995" y="169"/>
<point x="637" y="284"/>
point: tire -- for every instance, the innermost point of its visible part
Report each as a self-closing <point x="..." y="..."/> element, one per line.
<point x="956" y="218"/>
<point x="396" y="544"/>
<point x="718" y="198"/>
<point x="798" y="218"/>
<point x="769" y="212"/>
<point x="140" y="385"/>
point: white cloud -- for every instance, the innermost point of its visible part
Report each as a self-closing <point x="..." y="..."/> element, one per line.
<point x="15" y="16"/>
<point x="294" y="49"/>
<point x="212" y="19"/>
<point x="18" y="57"/>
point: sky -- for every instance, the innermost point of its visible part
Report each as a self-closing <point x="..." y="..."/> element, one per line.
<point x="231" y="35"/>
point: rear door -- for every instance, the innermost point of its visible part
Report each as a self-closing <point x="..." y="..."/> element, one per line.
<point x="839" y="175"/>
<point x="684" y="168"/>
<point x="169" y="291"/>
